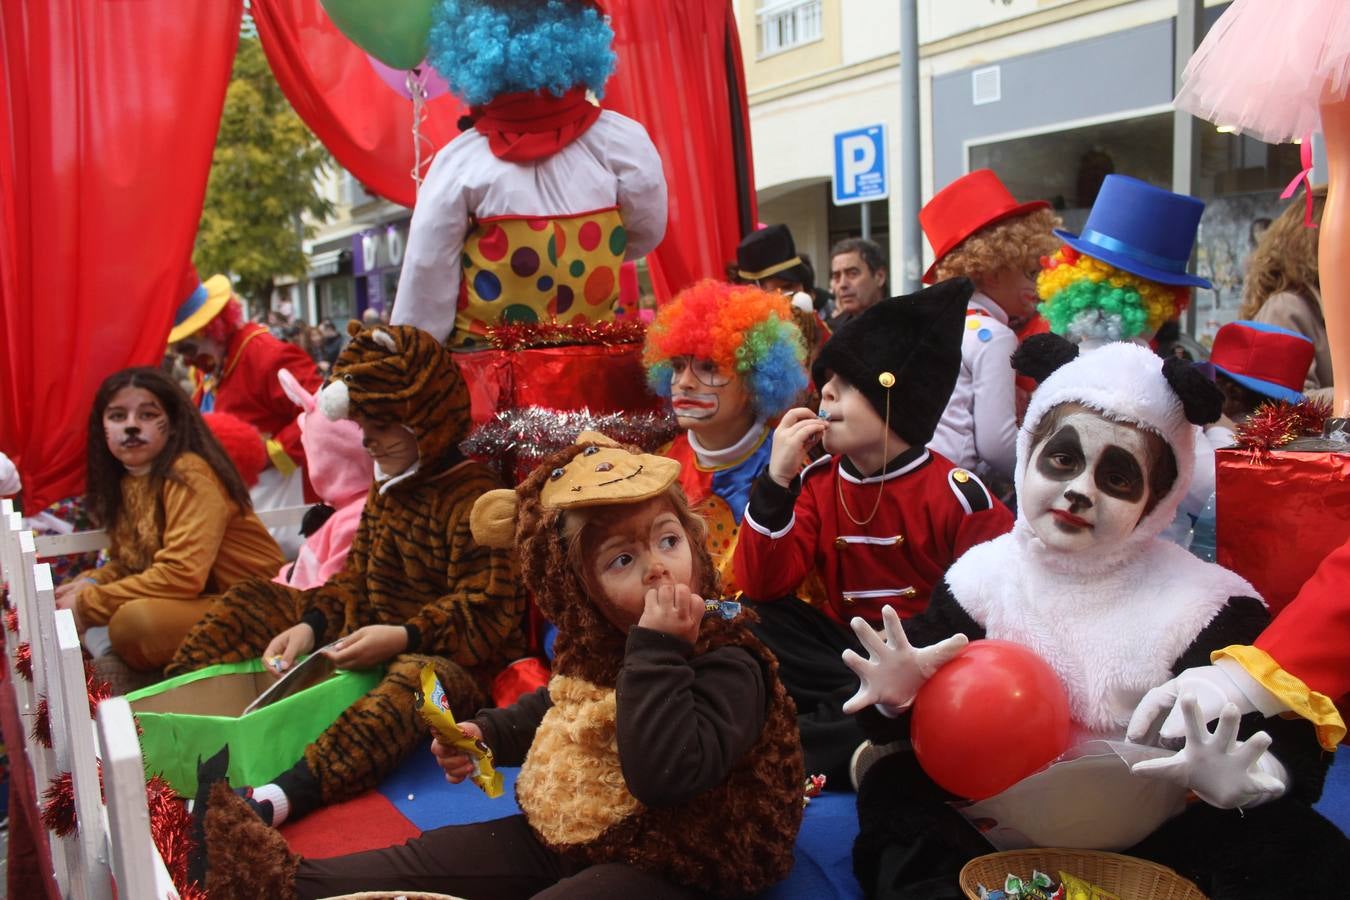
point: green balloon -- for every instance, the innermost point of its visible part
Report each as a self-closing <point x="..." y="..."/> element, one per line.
<point x="392" y="31"/>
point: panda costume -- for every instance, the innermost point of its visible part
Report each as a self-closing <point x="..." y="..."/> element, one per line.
<point x="1104" y="457"/>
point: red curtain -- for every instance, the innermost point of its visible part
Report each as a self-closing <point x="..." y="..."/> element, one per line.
<point x="110" y="111"/>
<point x="679" y="70"/>
<point x="110" y="114"/>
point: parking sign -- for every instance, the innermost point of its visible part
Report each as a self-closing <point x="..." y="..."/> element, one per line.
<point x="860" y="165"/>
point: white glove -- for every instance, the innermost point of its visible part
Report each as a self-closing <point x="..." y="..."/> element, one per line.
<point x="1222" y="770"/>
<point x="1213" y="687"/>
<point x="894" y="671"/>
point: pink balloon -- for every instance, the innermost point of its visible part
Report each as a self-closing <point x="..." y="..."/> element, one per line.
<point x="432" y="84"/>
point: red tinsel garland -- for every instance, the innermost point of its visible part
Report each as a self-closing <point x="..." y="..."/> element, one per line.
<point x="11" y="618"/>
<point x="170" y="822"/>
<point x="171" y="828"/>
<point x="555" y="334"/>
<point x="99" y="690"/>
<point x="1277" y="423"/>
<point x="42" y="723"/>
<point x="58" y="803"/>
<point x="23" y="661"/>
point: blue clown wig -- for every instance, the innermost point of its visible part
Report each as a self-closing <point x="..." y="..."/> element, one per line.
<point x="484" y="49"/>
<point x="740" y="327"/>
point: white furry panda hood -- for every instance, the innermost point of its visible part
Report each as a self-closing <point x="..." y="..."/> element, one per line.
<point x="1110" y="624"/>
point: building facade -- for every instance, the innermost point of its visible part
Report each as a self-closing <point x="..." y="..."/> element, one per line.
<point x="354" y="256"/>
<point x="1052" y="95"/>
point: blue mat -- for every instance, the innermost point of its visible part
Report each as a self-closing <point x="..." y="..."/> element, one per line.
<point x="823" y="867"/>
<point x="1335" y="802"/>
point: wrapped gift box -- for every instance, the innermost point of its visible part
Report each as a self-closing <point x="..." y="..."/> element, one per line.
<point x="602" y="378"/>
<point x="194" y="715"/>
<point x="1278" y="517"/>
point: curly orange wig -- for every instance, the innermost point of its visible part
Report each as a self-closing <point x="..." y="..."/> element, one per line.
<point x="1018" y="243"/>
<point x="741" y="328"/>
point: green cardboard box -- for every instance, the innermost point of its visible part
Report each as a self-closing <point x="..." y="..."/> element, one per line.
<point x="192" y="716"/>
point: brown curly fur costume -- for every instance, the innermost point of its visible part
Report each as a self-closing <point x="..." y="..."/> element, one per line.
<point x="413" y="561"/>
<point x="732" y="840"/>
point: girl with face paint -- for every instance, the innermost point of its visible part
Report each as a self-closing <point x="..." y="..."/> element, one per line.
<point x="179" y="520"/>
<point x="1091" y="479"/>
<point x="1085" y="581"/>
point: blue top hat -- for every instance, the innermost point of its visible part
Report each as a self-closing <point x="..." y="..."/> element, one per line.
<point x="1141" y="229"/>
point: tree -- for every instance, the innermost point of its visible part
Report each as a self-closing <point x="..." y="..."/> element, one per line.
<point x="263" y="178"/>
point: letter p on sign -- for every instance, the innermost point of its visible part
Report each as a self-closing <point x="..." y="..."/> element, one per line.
<point x="860" y="165"/>
<point x="860" y="154"/>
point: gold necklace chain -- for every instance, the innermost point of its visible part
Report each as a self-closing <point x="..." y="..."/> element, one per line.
<point x="885" y="458"/>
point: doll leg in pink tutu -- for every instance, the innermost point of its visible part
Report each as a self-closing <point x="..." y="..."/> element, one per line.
<point x="1333" y="248"/>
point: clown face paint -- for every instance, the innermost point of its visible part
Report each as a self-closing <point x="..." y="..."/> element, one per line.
<point x="136" y="428"/>
<point x="1015" y="293"/>
<point x="643" y="549"/>
<point x="199" y="351"/>
<point x="712" y="403"/>
<point x="1086" y="487"/>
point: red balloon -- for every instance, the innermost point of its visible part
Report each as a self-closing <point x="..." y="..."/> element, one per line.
<point x="989" y="718"/>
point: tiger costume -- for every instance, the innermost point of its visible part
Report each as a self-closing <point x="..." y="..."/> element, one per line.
<point x="413" y="563"/>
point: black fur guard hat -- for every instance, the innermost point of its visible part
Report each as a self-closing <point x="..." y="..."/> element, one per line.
<point x="917" y="339"/>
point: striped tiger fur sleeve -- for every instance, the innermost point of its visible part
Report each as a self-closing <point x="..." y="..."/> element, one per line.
<point x="478" y="619"/>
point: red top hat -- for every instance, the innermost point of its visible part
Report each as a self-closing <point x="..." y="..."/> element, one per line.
<point x="964" y="207"/>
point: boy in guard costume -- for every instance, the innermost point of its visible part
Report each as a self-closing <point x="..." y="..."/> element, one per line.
<point x="880" y="518"/>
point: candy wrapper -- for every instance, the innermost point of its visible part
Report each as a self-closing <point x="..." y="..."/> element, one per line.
<point x="725" y="609"/>
<point x="1076" y="888"/>
<point x="434" y="707"/>
<point x="812" y="788"/>
<point x="1038" y="887"/>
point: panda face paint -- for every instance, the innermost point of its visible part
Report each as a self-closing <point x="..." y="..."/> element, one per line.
<point x="1086" y="487"/>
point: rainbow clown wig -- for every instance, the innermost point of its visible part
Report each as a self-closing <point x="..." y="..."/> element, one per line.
<point x="1085" y="299"/>
<point x="485" y="48"/>
<point x="740" y="327"/>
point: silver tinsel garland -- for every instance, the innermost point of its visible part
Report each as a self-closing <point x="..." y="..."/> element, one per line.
<point x="525" y="435"/>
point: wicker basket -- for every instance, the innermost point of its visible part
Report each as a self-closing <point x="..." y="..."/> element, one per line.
<point x="1125" y="876"/>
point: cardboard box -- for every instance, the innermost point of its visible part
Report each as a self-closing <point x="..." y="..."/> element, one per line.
<point x="189" y="718"/>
